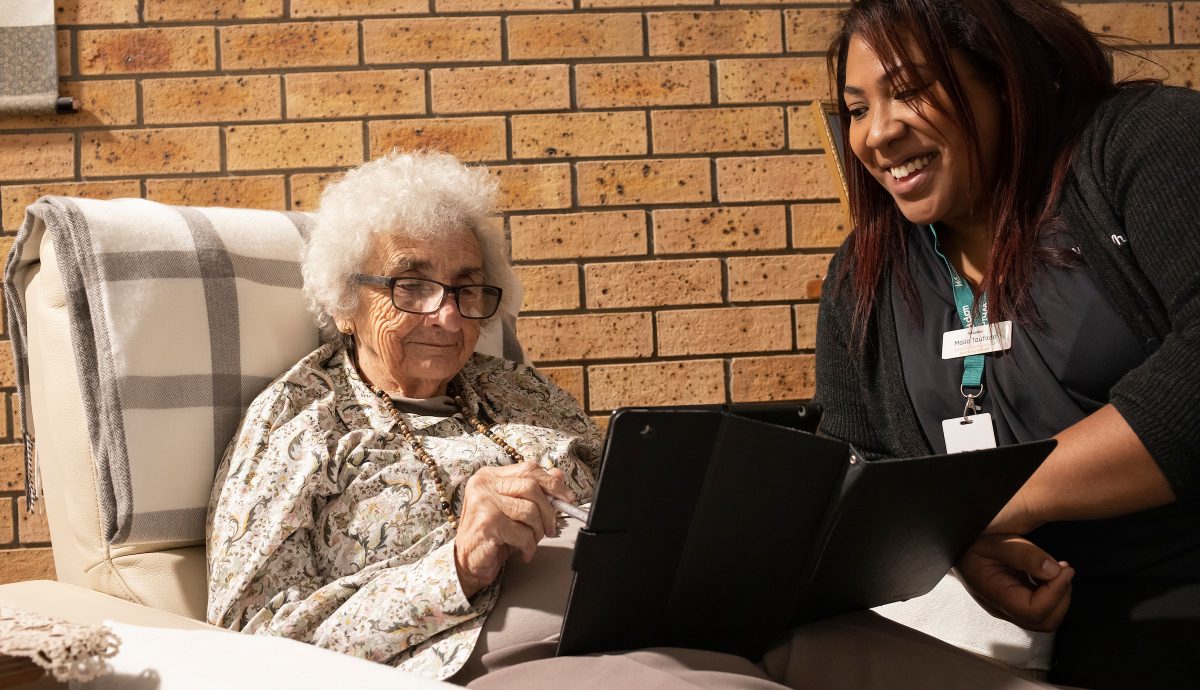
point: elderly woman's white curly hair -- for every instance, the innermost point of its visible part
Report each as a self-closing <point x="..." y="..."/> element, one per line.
<point x="423" y="195"/>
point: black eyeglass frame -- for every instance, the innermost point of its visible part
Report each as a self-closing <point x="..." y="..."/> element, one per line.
<point x="390" y="283"/>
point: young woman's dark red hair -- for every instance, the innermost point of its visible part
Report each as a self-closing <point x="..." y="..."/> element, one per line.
<point x="1051" y="71"/>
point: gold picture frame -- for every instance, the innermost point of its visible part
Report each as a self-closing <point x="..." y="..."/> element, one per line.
<point x="829" y="125"/>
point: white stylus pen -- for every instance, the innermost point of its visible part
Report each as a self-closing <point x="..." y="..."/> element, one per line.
<point x="569" y="509"/>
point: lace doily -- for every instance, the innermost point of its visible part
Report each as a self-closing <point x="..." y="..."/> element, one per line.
<point x="67" y="650"/>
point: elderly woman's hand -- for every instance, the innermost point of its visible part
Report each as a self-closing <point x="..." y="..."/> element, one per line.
<point x="505" y="510"/>
<point x="1017" y="581"/>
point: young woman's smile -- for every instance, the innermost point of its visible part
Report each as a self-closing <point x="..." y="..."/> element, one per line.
<point x="914" y="145"/>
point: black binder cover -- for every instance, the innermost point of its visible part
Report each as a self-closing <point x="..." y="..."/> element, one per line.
<point x="719" y="530"/>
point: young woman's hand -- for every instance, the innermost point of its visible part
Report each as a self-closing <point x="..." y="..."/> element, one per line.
<point x="1015" y="580"/>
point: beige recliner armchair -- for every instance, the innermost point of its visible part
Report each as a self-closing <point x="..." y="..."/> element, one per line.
<point x="140" y="333"/>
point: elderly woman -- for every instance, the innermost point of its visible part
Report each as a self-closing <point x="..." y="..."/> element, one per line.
<point x="373" y="492"/>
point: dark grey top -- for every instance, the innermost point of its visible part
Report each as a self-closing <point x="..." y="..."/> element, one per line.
<point x="1054" y="375"/>
<point x="437" y="406"/>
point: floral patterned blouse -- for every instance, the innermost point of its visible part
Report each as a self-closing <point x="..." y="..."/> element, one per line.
<point x="325" y="527"/>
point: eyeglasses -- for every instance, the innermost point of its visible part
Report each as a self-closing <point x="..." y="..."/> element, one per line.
<point x="424" y="296"/>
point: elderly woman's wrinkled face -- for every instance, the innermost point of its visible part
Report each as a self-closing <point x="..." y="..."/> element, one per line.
<point x="416" y="355"/>
<point x="917" y="152"/>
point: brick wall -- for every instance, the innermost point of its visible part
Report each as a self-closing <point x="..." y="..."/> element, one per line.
<point x="670" y="210"/>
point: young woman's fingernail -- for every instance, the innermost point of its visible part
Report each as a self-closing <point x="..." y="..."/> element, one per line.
<point x="1050" y="569"/>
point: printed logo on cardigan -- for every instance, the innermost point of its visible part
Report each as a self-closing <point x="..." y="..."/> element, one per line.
<point x="1118" y="240"/>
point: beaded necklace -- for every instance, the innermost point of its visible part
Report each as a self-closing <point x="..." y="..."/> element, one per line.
<point x="410" y="437"/>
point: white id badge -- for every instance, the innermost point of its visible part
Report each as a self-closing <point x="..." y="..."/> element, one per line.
<point x="975" y="433"/>
<point x="977" y="340"/>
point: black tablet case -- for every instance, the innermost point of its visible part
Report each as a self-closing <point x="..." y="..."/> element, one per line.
<point x="722" y="530"/>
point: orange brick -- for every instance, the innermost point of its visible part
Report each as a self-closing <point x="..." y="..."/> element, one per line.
<point x="83" y="12"/>
<point x="819" y="225"/>
<point x="695" y="382"/>
<point x="653" y="283"/>
<point x="1174" y="67"/>
<point x="586" y="336"/>
<point x="782" y="2"/>
<point x="63" y="52"/>
<point x="310" y="145"/>
<point x="33" y="526"/>
<point x="355" y="94"/>
<point x="771" y="80"/>
<point x="723" y="229"/>
<point x="8" y="535"/>
<point x="761" y="379"/>
<point x="765" y="178"/>
<point x="16" y="197"/>
<point x="723" y="32"/>
<point x="19" y="565"/>
<point x="642" y="84"/>
<point x="650" y="181"/>
<point x="297" y="44"/>
<point x="550" y="287"/>
<point x="507" y="88"/>
<point x="804" y="129"/>
<point x="1183" y="67"/>
<point x="5" y="419"/>
<point x="578" y="235"/>
<point x="151" y="151"/>
<point x="525" y="187"/>
<point x="12" y="455"/>
<point x="37" y="156"/>
<point x="810" y="30"/>
<point x="206" y="10"/>
<point x="211" y="99"/>
<point x="102" y="102"/>
<point x="123" y="51"/>
<point x="717" y="129"/>
<point x="568" y="135"/>
<point x="263" y="191"/>
<point x="444" y="6"/>
<point x="570" y="379"/>
<point x="1144" y="22"/>
<point x="574" y="35"/>
<point x="6" y="245"/>
<point x="306" y="189"/>
<point x="8" y="376"/>
<point x="724" y="330"/>
<point x="643" y="3"/>
<point x="340" y="8"/>
<point x="760" y="278"/>
<point x="806" y="326"/>
<point x="440" y="39"/>
<point x="469" y="138"/>
<point x="1187" y="22"/>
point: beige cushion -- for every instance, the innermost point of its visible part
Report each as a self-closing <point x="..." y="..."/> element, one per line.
<point x="85" y="607"/>
<point x="169" y="652"/>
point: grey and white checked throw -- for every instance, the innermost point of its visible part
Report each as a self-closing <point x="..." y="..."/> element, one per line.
<point x="179" y="316"/>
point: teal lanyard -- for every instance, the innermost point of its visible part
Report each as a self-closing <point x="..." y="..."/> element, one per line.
<point x="964" y="299"/>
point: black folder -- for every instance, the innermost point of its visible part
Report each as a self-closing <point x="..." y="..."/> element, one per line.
<point x="723" y="529"/>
